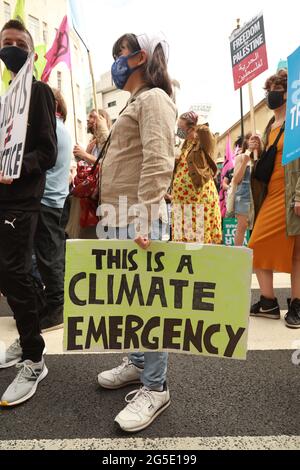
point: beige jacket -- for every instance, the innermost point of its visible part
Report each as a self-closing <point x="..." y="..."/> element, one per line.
<point x="140" y="159"/>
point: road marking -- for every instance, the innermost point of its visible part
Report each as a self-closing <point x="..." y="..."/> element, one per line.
<point x="195" y="443"/>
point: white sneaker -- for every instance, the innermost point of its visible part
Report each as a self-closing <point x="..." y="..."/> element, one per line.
<point x="25" y="384"/>
<point x="142" y="409"/>
<point x="125" y="374"/>
<point x="12" y="355"/>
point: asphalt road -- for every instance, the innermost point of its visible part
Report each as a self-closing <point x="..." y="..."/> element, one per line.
<point x="210" y="397"/>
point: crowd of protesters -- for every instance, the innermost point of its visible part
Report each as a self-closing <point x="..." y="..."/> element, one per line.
<point x="134" y="158"/>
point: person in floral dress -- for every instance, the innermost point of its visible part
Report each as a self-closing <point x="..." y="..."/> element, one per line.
<point x="196" y="210"/>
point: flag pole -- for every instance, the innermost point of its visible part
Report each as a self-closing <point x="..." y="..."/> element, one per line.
<point x="241" y="94"/>
<point x="252" y="115"/>
<point x="93" y="80"/>
<point x="91" y="68"/>
<point x="74" y="106"/>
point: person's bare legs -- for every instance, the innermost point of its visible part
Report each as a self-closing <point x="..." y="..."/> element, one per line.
<point x="292" y="318"/>
<point x="265" y="281"/>
<point x="267" y="306"/>
<point x="242" y="225"/>
<point x="295" y="275"/>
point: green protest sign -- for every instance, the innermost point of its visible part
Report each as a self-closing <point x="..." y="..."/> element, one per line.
<point x="229" y="229"/>
<point x="176" y="297"/>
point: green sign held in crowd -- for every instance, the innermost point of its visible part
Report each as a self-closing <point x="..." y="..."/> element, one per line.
<point x="174" y="297"/>
<point x="229" y="230"/>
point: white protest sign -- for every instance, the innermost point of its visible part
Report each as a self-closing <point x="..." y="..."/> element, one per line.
<point x="203" y="110"/>
<point x="14" y="108"/>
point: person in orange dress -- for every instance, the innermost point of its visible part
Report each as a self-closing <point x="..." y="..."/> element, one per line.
<point x="275" y="238"/>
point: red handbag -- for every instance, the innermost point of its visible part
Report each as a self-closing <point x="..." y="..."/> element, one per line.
<point x="86" y="181"/>
<point x="88" y="217"/>
<point x="86" y="188"/>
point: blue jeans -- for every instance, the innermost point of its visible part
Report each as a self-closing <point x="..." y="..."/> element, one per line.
<point x="155" y="364"/>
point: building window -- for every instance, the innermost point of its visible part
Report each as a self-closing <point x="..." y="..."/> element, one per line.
<point x="45" y="33"/>
<point x="112" y="104"/>
<point x="59" y="81"/>
<point x="34" y="28"/>
<point x="7" y="12"/>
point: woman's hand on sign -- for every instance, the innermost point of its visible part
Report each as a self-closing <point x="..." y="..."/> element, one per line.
<point x="143" y="242"/>
<point x="5" y="180"/>
<point x="297" y="208"/>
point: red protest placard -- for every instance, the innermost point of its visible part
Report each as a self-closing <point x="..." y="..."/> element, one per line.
<point x="248" y="52"/>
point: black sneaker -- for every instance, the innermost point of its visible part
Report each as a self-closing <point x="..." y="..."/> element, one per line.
<point x="54" y="320"/>
<point x="292" y="318"/>
<point x="267" y="308"/>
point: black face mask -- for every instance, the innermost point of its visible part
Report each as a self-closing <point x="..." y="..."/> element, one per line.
<point x="13" y="57"/>
<point x="275" y="99"/>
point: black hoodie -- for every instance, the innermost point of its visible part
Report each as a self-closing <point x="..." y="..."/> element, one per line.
<point x="40" y="153"/>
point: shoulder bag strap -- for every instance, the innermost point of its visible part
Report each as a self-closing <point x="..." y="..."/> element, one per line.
<point x="102" y="152"/>
<point x="279" y="135"/>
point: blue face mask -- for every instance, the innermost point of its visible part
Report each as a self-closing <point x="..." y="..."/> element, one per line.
<point x="121" y="71"/>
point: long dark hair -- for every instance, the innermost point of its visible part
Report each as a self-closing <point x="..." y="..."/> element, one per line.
<point x="155" y="71"/>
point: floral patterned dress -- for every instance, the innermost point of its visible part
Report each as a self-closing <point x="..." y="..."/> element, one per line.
<point x="196" y="213"/>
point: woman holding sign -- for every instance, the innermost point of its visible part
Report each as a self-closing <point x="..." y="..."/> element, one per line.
<point x="137" y="168"/>
<point x="276" y="236"/>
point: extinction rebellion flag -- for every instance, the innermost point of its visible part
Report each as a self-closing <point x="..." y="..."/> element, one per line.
<point x="60" y="50"/>
<point x="248" y="52"/>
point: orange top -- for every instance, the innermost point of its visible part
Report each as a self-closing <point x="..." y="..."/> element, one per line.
<point x="272" y="248"/>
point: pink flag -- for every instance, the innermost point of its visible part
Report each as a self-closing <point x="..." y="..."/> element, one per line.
<point x="60" y="50"/>
<point x="228" y="165"/>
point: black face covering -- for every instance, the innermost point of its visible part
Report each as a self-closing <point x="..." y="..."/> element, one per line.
<point x="275" y="99"/>
<point x="13" y="57"/>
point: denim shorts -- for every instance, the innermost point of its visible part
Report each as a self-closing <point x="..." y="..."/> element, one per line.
<point x="242" y="195"/>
